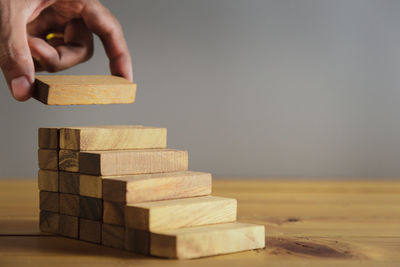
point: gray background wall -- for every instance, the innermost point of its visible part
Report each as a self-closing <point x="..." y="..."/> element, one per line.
<point x="250" y="88"/>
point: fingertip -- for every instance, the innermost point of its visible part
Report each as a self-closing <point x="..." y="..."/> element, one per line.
<point x="21" y="88"/>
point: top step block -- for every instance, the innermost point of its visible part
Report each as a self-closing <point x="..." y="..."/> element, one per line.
<point x="83" y="90"/>
<point x="117" y="137"/>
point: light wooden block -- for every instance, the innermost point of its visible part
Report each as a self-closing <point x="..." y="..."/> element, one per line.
<point x="48" y="138"/>
<point x="69" y="226"/>
<point x="153" y="187"/>
<point x="48" y="159"/>
<point x="91" y="208"/>
<point x="124" y="162"/>
<point x="49" y="201"/>
<point x="48" y="180"/>
<point x="90" y="185"/>
<point x="83" y="90"/>
<point x="114" y="213"/>
<point x="177" y="213"/>
<point x="49" y="222"/>
<point x="115" y="137"/>
<point x="137" y="241"/>
<point x="196" y="242"/>
<point x="68" y="160"/>
<point x="90" y="230"/>
<point x="69" y="182"/>
<point x="113" y="236"/>
<point x="69" y="204"/>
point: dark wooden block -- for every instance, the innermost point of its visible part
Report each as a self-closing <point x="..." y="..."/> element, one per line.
<point x="69" y="182"/>
<point x="91" y="208"/>
<point x="49" y="222"/>
<point x="49" y="201"/>
<point x="69" y="226"/>
<point x="48" y="159"/>
<point x="90" y="230"/>
<point x="113" y="236"/>
<point x="137" y="241"/>
<point x="48" y="138"/>
<point x="68" y="160"/>
<point x="69" y="204"/>
<point x="114" y="213"/>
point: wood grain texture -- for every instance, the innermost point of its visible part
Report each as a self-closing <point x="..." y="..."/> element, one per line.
<point x="139" y="161"/>
<point x="48" y="180"/>
<point x="49" y="201"/>
<point x="91" y="208"/>
<point x="113" y="236"/>
<point x="69" y="182"/>
<point x="137" y="241"/>
<point x="114" y="137"/>
<point x="49" y="222"/>
<point x="48" y="159"/>
<point x="90" y="230"/>
<point x="48" y="137"/>
<point x="90" y="185"/>
<point x="69" y="226"/>
<point x="177" y="213"/>
<point x="83" y="90"/>
<point x="196" y="242"/>
<point x="68" y="160"/>
<point x="69" y="204"/>
<point x="160" y="186"/>
<point x="114" y="213"/>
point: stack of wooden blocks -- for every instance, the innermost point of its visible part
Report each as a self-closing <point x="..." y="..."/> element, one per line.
<point x="120" y="186"/>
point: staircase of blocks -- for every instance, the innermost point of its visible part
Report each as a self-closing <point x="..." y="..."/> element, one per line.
<point x="120" y="187"/>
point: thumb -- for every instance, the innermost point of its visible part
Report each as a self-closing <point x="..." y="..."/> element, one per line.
<point x="16" y="60"/>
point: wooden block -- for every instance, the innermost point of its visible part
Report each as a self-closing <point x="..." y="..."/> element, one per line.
<point x="114" y="213"/>
<point x="48" y="180"/>
<point x="177" y="213"/>
<point x="137" y="241"/>
<point x="68" y="160"/>
<point x="83" y="90"/>
<point x="69" y="204"/>
<point x="49" y="201"/>
<point x="48" y="159"/>
<point x="69" y="182"/>
<point x="90" y="185"/>
<point x="123" y="162"/>
<point x="113" y="236"/>
<point x="48" y="138"/>
<point x="91" y="208"/>
<point x="90" y="230"/>
<point x="49" y="222"/>
<point x="160" y="186"/>
<point x="112" y="137"/>
<point x="196" y="242"/>
<point x="69" y="226"/>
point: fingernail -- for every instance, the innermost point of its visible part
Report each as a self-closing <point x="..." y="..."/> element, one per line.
<point x="21" y="88"/>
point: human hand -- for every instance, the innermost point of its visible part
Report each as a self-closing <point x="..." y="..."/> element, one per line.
<point x="24" y="50"/>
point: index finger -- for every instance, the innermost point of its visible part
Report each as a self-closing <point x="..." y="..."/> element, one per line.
<point x="99" y="20"/>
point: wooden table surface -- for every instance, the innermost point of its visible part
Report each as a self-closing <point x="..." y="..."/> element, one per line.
<point x="317" y="223"/>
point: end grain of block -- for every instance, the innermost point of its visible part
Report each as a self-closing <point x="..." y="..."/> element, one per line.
<point x="196" y="242"/>
<point x="68" y="160"/>
<point x="69" y="204"/>
<point x="177" y="213"/>
<point x="48" y="159"/>
<point x="49" y="222"/>
<point x="49" y="201"/>
<point x="115" y="137"/>
<point x="90" y="230"/>
<point x="90" y="185"/>
<point x="137" y="241"/>
<point x="91" y="208"/>
<point x="69" y="226"/>
<point x="48" y="180"/>
<point x="48" y="138"/>
<point x="114" y="213"/>
<point x="69" y="182"/>
<point x="113" y="236"/>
